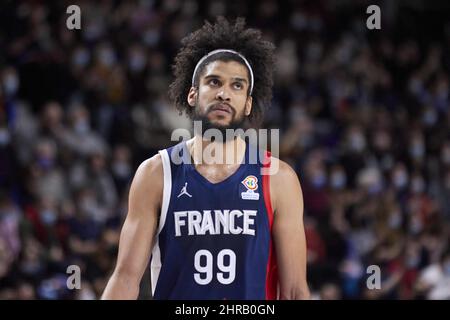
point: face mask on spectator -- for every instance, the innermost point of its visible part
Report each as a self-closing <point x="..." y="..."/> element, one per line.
<point x="400" y="179"/>
<point x="93" y="30"/>
<point x="81" y="58"/>
<point x="357" y="142"/>
<point x="417" y="150"/>
<point x="417" y="185"/>
<point x="48" y="217"/>
<point x="4" y="136"/>
<point x="416" y="226"/>
<point x="151" y="37"/>
<point x="137" y="62"/>
<point x="107" y="57"/>
<point x="447" y="268"/>
<point x="319" y="179"/>
<point x="53" y="288"/>
<point x="412" y="261"/>
<point x="32" y="267"/>
<point x="86" y="293"/>
<point x="45" y="163"/>
<point x="121" y="169"/>
<point x="429" y="117"/>
<point x="82" y="126"/>
<point x="338" y="180"/>
<point x="395" y="220"/>
<point x="445" y="155"/>
<point x="87" y="206"/>
<point x="375" y="187"/>
<point x="10" y="84"/>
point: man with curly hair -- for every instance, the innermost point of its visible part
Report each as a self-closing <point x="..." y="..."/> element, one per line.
<point x="216" y="230"/>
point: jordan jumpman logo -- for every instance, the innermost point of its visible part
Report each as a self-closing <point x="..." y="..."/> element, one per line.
<point x="184" y="191"/>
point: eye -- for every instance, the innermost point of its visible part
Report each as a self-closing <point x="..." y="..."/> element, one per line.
<point x="238" y="85"/>
<point x="214" y="82"/>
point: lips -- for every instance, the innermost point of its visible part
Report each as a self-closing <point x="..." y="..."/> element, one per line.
<point x="222" y="107"/>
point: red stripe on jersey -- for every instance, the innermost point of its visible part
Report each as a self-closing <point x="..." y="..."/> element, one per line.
<point x="271" y="270"/>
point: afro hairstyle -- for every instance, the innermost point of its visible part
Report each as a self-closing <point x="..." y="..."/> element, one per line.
<point x="224" y="35"/>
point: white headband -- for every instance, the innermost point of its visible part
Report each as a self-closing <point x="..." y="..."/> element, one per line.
<point x="220" y="51"/>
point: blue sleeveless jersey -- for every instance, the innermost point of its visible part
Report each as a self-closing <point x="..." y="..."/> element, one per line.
<point x="214" y="239"/>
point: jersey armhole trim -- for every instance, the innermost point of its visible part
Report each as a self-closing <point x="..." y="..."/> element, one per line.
<point x="271" y="268"/>
<point x="266" y="188"/>
<point x="167" y="189"/>
<point x="155" y="266"/>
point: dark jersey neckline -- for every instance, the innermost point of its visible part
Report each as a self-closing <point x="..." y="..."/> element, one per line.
<point x="236" y="175"/>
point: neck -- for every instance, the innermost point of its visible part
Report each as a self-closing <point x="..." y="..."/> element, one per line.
<point x="207" y="152"/>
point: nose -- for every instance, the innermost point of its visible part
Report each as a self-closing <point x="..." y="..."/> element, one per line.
<point x="222" y="94"/>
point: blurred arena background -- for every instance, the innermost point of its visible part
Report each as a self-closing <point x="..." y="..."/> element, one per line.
<point x="364" y="119"/>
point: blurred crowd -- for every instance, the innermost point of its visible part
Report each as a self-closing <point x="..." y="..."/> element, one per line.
<point x="364" y="119"/>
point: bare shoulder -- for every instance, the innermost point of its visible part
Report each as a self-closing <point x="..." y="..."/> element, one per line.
<point x="284" y="185"/>
<point x="151" y="167"/>
<point x="283" y="173"/>
<point x="148" y="183"/>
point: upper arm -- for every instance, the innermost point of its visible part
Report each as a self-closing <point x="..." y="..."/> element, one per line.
<point x="288" y="232"/>
<point x="136" y="238"/>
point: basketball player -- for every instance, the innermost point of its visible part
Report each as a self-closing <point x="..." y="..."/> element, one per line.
<point x="215" y="231"/>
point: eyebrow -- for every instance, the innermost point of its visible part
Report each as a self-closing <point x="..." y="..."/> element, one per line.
<point x="240" y="79"/>
<point x="211" y="76"/>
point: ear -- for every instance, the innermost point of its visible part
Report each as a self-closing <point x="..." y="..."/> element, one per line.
<point x="192" y="96"/>
<point x="248" y="105"/>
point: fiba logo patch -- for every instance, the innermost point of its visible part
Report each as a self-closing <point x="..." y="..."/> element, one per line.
<point x="251" y="184"/>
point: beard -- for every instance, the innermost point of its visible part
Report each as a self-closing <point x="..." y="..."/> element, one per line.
<point x="236" y="122"/>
